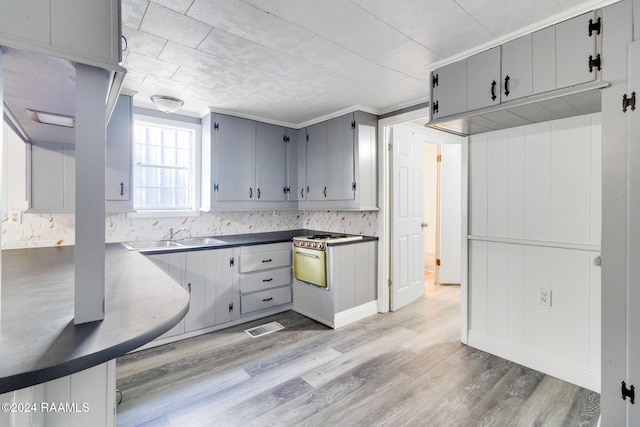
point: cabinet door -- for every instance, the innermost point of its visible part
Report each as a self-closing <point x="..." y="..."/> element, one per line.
<point x="517" y="71"/>
<point x="544" y="60"/>
<point x="301" y="189"/>
<point x="271" y="163"/>
<point x="234" y="158"/>
<point x="483" y="79"/>
<point x="174" y="265"/>
<point x="52" y="171"/>
<point x="195" y="282"/>
<point x="292" y="165"/>
<point x="317" y="161"/>
<point x="573" y="48"/>
<point x="451" y="90"/>
<point x="222" y="293"/>
<point x="340" y="139"/>
<point x="118" y="151"/>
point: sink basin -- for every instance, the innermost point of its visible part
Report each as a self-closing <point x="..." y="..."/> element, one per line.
<point x="155" y="244"/>
<point x="201" y="241"/>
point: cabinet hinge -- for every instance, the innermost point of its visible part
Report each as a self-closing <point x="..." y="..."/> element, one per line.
<point x="216" y="187"/>
<point x="439" y="158"/>
<point x="286" y="190"/>
<point x="286" y="139"/>
<point x="628" y="102"/>
<point x="434" y="107"/>
<point x="216" y="126"/>
<point x="230" y="307"/>
<point x="232" y="262"/>
<point x="594" y="62"/>
<point x="434" y="80"/>
<point x="628" y="392"/>
<point x="353" y="186"/>
<point x="353" y="124"/>
<point x="595" y="26"/>
<point x="307" y="137"/>
<point x="438" y="261"/>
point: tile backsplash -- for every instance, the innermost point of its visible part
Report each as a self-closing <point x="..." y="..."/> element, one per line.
<point x="38" y="230"/>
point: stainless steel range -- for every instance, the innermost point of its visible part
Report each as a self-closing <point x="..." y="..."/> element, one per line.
<point x="309" y="256"/>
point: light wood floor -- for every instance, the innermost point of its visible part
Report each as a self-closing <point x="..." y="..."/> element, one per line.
<point x="405" y="368"/>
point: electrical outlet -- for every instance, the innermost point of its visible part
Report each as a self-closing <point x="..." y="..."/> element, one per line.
<point x="545" y="296"/>
<point x="15" y="216"/>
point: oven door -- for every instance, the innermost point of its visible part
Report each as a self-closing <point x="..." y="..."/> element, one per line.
<point x="309" y="266"/>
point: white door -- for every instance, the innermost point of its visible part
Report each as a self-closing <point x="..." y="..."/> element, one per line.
<point x="407" y="259"/>
<point x="449" y="250"/>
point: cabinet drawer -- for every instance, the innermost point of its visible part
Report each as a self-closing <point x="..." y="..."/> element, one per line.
<point x="262" y="280"/>
<point x="265" y="260"/>
<point x="265" y="299"/>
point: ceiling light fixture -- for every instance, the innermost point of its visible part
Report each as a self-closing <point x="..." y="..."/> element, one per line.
<point x="51" y="118"/>
<point x="168" y="104"/>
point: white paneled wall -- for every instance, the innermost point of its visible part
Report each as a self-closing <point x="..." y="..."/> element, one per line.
<point x="535" y="217"/>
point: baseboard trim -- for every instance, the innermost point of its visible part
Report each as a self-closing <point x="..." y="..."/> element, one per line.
<point x="354" y="314"/>
<point x="579" y="376"/>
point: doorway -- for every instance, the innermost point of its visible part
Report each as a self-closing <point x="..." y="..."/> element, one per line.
<point x="395" y="271"/>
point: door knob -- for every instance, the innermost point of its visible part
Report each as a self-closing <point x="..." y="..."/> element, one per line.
<point x="425" y="225"/>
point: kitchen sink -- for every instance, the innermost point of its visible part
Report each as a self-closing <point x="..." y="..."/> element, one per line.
<point x="155" y="244"/>
<point x="201" y="241"/>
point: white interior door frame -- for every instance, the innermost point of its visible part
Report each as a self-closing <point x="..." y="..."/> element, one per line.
<point x="384" y="219"/>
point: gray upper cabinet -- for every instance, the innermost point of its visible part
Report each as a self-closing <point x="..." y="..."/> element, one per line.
<point x="271" y="163"/>
<point x="317" y="161"/>
<point x="574" y="46"/>
<point x="340" y="178"/>
<point x="301" y="148"/>
<point x="449" y="90"/>
<point x="233" y="157"/>
<point x="291" y="191"/>
<point x="483" y="79"/>
<point x="52" y="171"/>
<point x="543" y="54"/>
<point x="517" y="68"/>
<point x="118" y="157"/>
<point x="244" y="164"/>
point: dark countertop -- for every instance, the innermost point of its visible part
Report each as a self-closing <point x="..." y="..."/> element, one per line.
<point x="235" y="240"/>
<point x="38" y="340"/>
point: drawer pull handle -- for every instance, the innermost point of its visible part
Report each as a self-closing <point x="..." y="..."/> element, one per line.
<point x="267" y="260"/>
<point x="267" y="299"/>
<point x="267" y="280"/>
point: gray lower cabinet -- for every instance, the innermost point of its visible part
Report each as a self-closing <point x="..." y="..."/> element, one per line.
<point x="265" y="277"/>
<point x="351" y="273"/>
<point x="174" y="265"/>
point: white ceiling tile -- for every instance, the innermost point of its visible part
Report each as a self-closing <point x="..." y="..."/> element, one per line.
<point x="223" y="44"/>
<point x="407" y="54"/>
<point x="524" y="20"/>
<point x="180" y="6"/>
<point x="143" y="43"/>
<point x="309" y="74"/>
<point x="496" y="14"/>
<point x="278" y="34"/>
<point x="395" y="13"/>
<point x="419" y="70"/>
<point x="320" y="51"/>
<point x="232" y="16"/>
<point x="471" y="36"/>
<point x="144" y="64"/>
<point x="133" y="79"/>
<point x="373" y="40"/>
<point x="291" y="10"/>
<point x="441" y="22"/>
<point x="132" y="12"/>
<point x="334" y="18"/>
<point x="266" y="80"/>
<point x="168" y="24"/>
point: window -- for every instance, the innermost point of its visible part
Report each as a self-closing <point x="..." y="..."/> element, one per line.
<point x="165" y="172"/>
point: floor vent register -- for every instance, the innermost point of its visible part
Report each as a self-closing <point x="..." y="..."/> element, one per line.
<point x="265" y="329"/>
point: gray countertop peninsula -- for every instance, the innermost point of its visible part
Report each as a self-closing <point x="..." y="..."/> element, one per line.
<point x="38" y="340"/>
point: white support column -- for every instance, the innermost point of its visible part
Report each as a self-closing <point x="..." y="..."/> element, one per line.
<point x="91" y="93"/>
<point x="1" y="165"/>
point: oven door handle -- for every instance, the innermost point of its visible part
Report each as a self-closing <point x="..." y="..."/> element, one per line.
<point x="307" y="254"/>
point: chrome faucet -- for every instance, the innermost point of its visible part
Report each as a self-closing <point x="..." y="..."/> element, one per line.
<point x="172" y="233"/>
